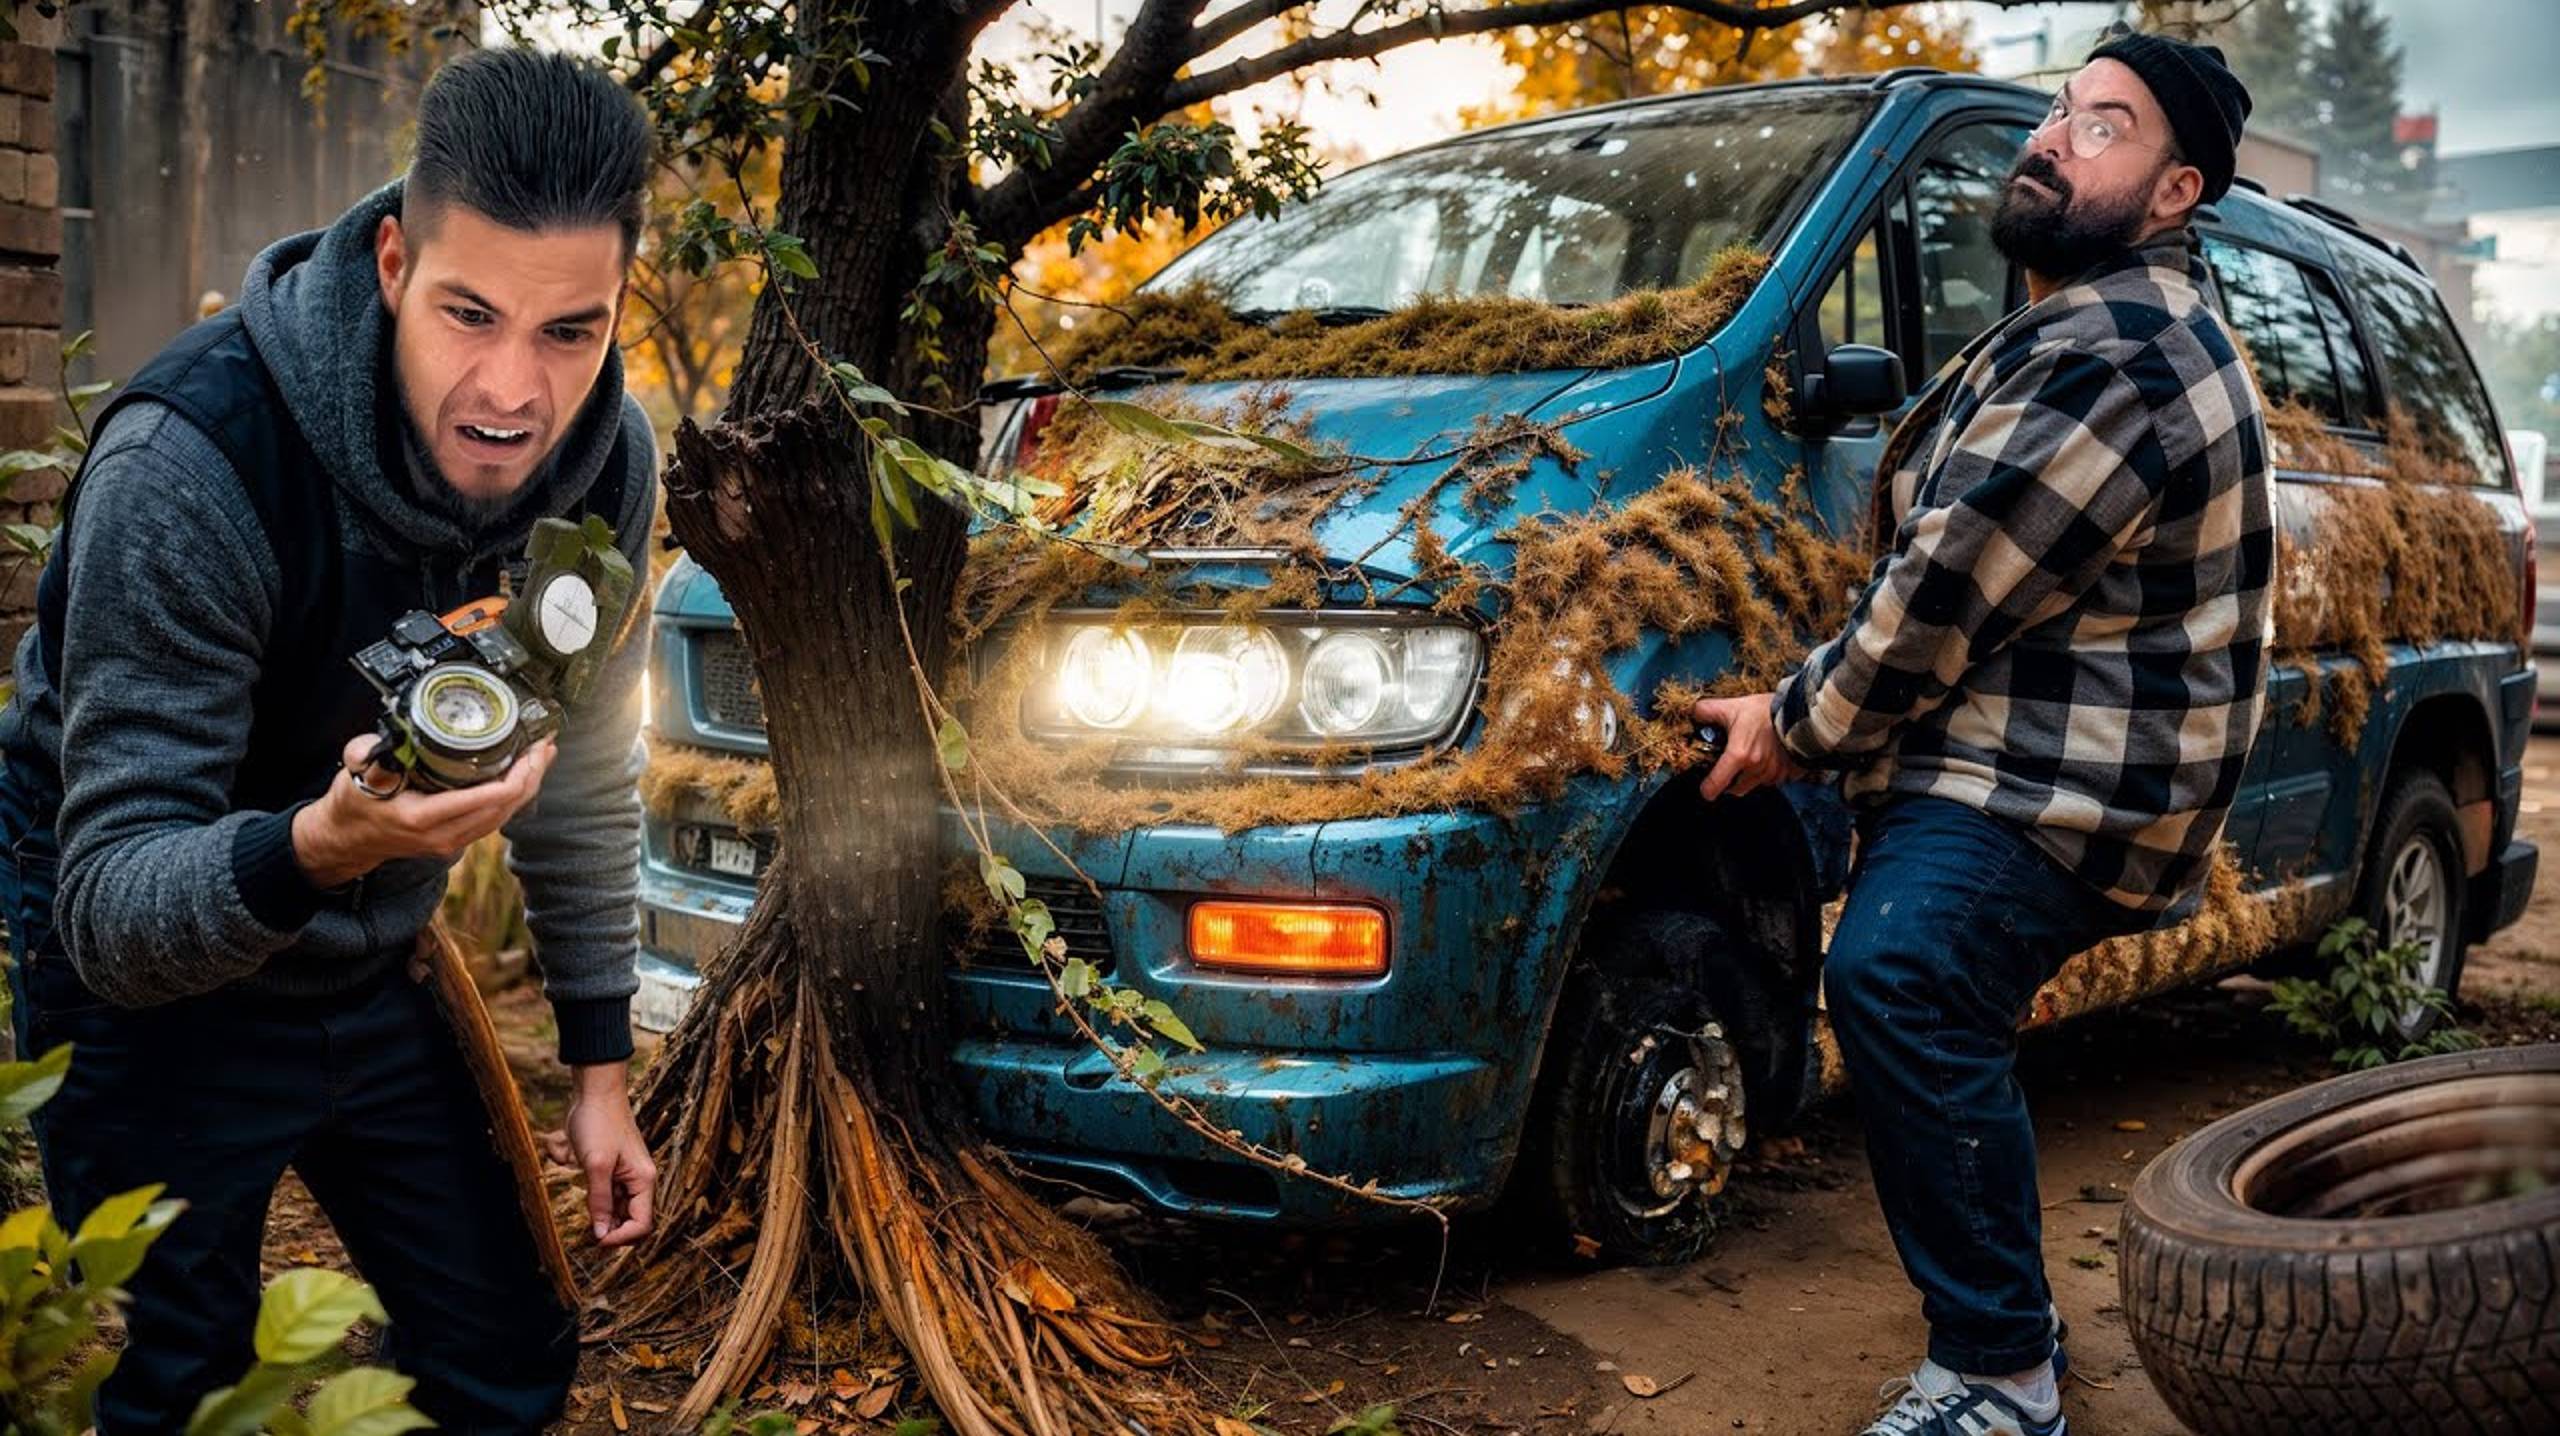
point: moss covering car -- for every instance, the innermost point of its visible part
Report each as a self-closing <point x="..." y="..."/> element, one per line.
<point x="1365" y="728"/>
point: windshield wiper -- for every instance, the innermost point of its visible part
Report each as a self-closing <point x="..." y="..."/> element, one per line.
<point x="1332" y="314"/>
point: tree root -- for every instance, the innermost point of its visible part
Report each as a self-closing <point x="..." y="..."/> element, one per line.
<point x="1018" y="1322"/>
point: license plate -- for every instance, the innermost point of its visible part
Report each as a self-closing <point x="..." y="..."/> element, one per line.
<point x="734" y="856"/>
<point x="660" y="1003"/>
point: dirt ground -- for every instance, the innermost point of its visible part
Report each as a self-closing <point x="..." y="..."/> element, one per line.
<point x="1787" y="1325"/>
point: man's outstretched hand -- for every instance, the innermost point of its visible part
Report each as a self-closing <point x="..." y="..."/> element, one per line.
<point x="344" y="834"/>
<point x="606" y="1144"/>
<point x="1752" y="758"/>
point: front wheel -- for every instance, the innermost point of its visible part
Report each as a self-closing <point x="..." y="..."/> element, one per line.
<point x="1642" y="1114"/>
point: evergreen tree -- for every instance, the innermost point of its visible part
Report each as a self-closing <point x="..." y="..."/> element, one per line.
<point x="2355" y="79"/>
<point x="2269" y="48"/>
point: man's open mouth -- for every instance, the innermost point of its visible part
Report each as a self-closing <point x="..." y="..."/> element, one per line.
<point x="496" y="437"/>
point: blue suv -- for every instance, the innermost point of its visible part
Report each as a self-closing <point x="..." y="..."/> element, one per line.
<point x="1595" y="998"/>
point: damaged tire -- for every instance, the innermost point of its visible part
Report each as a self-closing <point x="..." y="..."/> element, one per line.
<point x="1640" y="1111"/>
<point x="2377" y="1252"/>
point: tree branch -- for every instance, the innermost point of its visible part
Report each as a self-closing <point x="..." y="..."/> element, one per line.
<point x="1220" y="28"/>
<point x="665" y="51"/>
<point x="1129" y="90"/>
<point x="1364" y="44"/>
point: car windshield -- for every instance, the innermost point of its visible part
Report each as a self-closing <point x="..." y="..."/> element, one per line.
<point x="1576" y="210"/>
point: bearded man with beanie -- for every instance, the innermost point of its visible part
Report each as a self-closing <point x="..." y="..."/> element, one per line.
<point x="202" y="900"/>
<point x="2045" y="698"/>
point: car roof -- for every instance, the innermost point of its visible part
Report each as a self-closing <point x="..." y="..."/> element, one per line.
<point x="2303" y="226"/>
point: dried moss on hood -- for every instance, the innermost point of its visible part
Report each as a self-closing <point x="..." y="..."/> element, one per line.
<point x="1689" y="556"/>
<point x="1193" y="330"/>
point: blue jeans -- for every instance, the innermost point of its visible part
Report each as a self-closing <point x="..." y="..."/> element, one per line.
<point x="1953" y="919"/>
<point x="364" y="1094"/>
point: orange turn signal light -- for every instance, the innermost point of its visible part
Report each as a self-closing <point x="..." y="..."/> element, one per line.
<point x="1289" y="939"/>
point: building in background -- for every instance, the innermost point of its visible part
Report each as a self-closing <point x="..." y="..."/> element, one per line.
<point x="187" y="145"/>
<point x="2510" y="199"/>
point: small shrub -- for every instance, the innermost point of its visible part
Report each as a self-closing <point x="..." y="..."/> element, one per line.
<point x="2356" y="1009"/>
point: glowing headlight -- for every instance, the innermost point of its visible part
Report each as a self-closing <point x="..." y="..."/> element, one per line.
<point x="1222" y="680"/>
<point x="1386" y="683"/>
<point x="1103" y="676"/>
<point x="1347" y="683"/>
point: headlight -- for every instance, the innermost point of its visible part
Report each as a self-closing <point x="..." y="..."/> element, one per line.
<point x="1104" y="677"/>
<point x="1362" y="680"/>
<point x="1349" y="683"/>
<point x="1223" y="680"/>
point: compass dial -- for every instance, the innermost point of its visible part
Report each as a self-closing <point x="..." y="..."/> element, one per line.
<point x="463" y="707"/>
<point x="565" y="613"/>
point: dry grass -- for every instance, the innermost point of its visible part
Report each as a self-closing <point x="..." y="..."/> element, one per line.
<point x="1191" y="329"/>
<point x="2413" y="558"/>
<point x="740" y="787"/>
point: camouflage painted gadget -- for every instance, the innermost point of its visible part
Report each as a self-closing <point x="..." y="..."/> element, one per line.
<point x="464" y="694"/>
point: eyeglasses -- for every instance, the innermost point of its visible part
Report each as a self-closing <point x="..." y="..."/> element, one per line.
<point x="2091" y="133"/>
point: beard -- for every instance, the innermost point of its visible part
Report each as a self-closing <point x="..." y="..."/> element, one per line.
<point x="2051" y="236"/>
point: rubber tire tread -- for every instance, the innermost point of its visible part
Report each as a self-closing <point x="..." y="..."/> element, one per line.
<point x="2416" y="796"/>
<point x="2247" y="1326"/>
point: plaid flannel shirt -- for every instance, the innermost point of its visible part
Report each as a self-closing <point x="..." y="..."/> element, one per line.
<point x="2068" y="623"/>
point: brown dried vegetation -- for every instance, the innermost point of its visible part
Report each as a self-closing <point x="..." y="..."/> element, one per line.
<point x="2403" y="553"/>
<point x="1192" y="329"/>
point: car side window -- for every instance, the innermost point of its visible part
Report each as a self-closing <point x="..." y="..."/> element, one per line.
<point x="1964" y="280"/>
<point x="1853" y="307"/>
<point x="2268" y="301"/>
<point x="2355" y="381"/>
<point x="2427" y="375"/>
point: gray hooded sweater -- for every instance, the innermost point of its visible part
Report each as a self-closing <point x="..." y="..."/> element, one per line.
<point x="164" y="890"/>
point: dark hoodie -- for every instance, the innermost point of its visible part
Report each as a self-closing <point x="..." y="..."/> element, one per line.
<point x="164" y="890"/>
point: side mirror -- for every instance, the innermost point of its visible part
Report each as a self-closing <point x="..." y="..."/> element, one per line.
<point x="1858" y="379"/>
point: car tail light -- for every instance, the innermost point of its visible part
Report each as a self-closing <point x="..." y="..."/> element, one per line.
<point x="2532" y="582"/>
<point x="1289" y="939"/>
<point x="1026" y="442"/>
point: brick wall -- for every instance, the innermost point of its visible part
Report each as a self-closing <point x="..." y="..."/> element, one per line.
<point x="30" y="286"/>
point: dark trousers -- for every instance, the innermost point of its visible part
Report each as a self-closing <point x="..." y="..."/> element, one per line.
<point x="1953" y="919"/>
<point x="365" y="1096"/>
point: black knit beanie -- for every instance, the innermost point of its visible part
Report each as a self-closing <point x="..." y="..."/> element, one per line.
<point x="2205" y="102"/>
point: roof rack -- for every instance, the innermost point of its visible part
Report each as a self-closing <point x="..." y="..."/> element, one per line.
<point x="2348" y="222"/>
<point x="2252" y="186"/>
<point x="1891" y="78"/>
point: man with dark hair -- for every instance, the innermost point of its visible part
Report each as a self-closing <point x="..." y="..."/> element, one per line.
<point x="201" y="897"/>
<point x="2045" y="698"/>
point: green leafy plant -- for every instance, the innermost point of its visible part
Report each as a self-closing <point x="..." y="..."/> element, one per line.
<point x="2357" y="1008"/>
<point x="58" y="1288"/>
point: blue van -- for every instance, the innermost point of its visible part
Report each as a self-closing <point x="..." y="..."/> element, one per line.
<point x="1598" y="997"/>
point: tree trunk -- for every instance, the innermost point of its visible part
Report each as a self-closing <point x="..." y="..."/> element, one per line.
<point x="808" y="1141"/>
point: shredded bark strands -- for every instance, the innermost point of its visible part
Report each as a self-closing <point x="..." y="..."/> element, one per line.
<point x="1193" y="330"/>
<point x="2406" y="553"/>
<point x="1689" y="557"/>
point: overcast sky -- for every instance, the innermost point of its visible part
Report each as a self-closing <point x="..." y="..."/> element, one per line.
<point x="2486" y="66"/>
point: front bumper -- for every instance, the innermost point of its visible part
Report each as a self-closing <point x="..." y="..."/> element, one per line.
<point x="1417" y="1080"/>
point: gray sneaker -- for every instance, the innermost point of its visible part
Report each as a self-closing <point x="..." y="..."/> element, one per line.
<point x="1934" y="1401"/>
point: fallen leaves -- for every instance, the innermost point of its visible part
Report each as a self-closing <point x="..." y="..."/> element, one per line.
<point x="1029" y="1283"/>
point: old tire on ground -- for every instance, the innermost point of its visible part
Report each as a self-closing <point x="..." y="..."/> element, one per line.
<point x="1639" y="1114"/>
<point x="2369" y="1253"/>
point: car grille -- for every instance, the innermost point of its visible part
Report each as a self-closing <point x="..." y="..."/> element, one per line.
<point x="728" y="677"/>
<point x="1078" y="916"/>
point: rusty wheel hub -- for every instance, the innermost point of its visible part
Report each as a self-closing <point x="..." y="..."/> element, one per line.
<point x="1693" y="1127"/>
